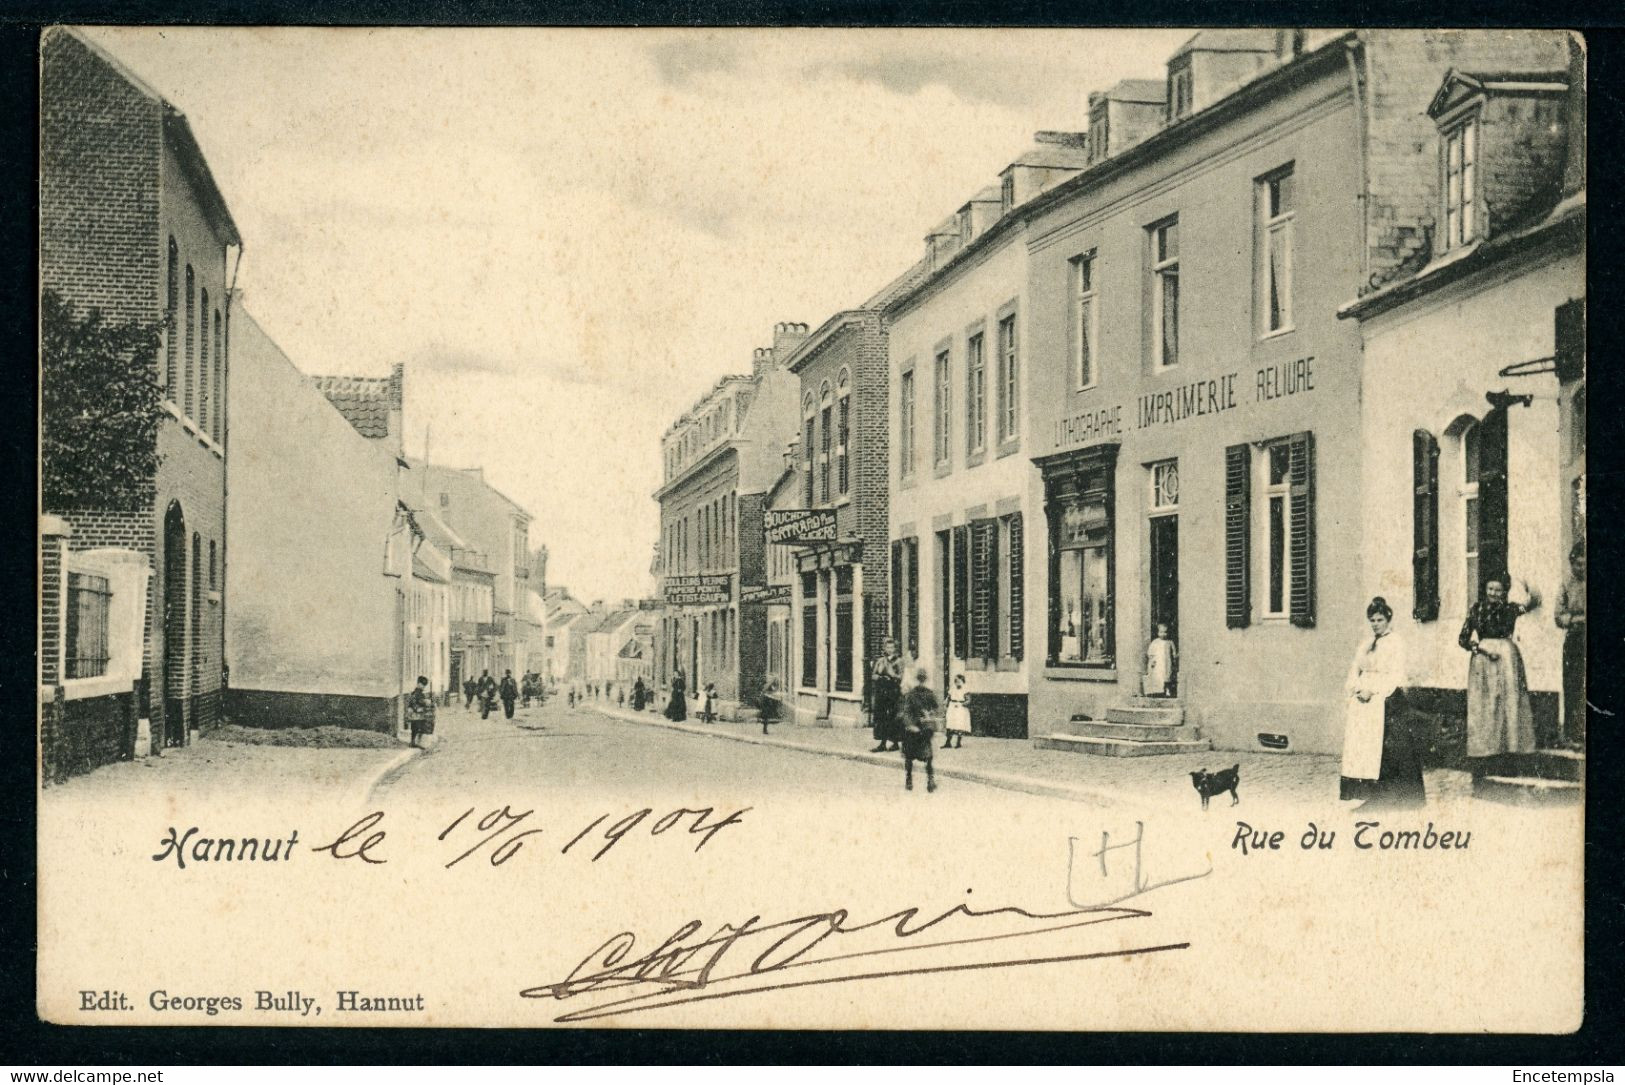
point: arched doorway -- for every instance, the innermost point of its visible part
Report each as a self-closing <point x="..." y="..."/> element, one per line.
<point x="176" y="669"/>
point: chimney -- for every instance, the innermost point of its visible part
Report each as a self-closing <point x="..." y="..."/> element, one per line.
<point x="397" y="403"/>
<point x="786" y="338"/>
<point x="761" y="361"/>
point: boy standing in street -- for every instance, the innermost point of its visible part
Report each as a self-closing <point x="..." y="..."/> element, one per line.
<point x="919" y="730"/>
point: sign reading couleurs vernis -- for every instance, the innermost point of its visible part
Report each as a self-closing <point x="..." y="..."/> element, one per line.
<point x="792" y="526"/>
<point x="705" y="589"/>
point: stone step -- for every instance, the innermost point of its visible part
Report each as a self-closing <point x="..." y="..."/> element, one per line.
<point x="1528" y="791"/>
<point x="1158" y="716"/>
<point x="1548" y="764"/>
<point x="1139" y="701"/>
<point x="1141" y="732"/>
<point x="1117" y="747"/>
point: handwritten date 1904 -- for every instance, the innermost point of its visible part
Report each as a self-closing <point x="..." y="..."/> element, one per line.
<point x="501" y="833"/>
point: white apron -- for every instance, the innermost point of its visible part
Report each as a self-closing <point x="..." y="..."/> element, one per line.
<point x="1362" y="739"/>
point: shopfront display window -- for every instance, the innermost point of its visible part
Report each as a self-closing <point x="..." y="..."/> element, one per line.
<point x="1082" y="603"/>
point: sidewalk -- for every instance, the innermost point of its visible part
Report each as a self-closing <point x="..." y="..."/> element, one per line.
<point x="1015" y="765"/>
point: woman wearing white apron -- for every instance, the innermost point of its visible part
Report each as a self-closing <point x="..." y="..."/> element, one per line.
<point x="1380" y="763"/>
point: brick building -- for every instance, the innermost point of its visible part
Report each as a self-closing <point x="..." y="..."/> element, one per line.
<point x="840" y="601"/>
<point x="1197" y="419"/>
<point x="719" y="459"/>
<point x="133" y="224"/>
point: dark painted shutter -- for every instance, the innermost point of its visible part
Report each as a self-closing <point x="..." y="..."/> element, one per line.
<point x="897" y="592"/>
<point x="1492" y="496"/>
<point x="984" y="590"/>
<point x="961" y="646"/>
<point x="1570" y="338"/>
<point x="913" y="646"/>
<point x="1238" y="608"/>
<point x="1425" y="526"/>
<point x="1302" y="526"/>
<point x="1018" y="612"/>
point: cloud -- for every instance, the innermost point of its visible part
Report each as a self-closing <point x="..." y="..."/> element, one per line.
<point x="682" y="61"/>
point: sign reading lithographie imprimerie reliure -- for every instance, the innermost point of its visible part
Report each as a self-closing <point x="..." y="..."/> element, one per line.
<point x="773" y="595"/>
<point x="790" y="526"/>
<point x="706" y="589"/>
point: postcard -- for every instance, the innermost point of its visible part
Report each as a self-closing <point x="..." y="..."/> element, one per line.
<point x="813" y="529"/>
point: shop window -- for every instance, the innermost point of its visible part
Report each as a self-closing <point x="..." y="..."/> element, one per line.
<point x="1275" y="199"/>
<point x="1080" y="507"/>
<point x="87" y="652"/>
<point x="843" y="629"/>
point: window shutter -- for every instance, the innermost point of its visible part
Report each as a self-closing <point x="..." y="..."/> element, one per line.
<point x="913" y="646"/>
<point x="1302" y="527"/>
<point x="984" y="589"/>
<point x="1425" y="526"/>
<point x="897" y="592"/>
<point x="1237" y="522"/>
<point x="1492" y="495"/>
<point x="1017" y="588"/>
<point x="961" y="645"/>
<point x="1570" y="339"/>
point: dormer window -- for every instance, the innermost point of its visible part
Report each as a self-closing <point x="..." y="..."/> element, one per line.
<point x="1458" y="148"/>
<point x="965" y="226"/>
<point x="1179" y="93"/>
<point x="1007" y="194"/>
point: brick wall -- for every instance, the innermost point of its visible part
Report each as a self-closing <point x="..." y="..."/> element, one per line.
<point x="52" y="628"/>
<point x="752" y="619"/>
<point x="1406" y="68"/>
<point x="1522" y="142"/>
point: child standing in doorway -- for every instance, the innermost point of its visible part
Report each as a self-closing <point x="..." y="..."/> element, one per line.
<point x="956" y="723"/>
<point x="1161" y="660"/>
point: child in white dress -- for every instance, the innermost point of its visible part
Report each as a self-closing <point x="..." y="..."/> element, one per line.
<point x="957" y="722"/>
<point x="1161" y="656"/>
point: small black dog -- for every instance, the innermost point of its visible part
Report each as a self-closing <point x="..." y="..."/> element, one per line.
<point x="1209" y="784"/>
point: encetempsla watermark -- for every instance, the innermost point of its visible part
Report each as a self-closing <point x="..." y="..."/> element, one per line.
<point x="1549" y="1077"/>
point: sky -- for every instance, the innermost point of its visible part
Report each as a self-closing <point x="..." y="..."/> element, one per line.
<point x="568" y="236"/>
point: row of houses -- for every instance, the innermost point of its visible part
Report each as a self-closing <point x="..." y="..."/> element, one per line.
<point x="285" y="563"/>
<point x="1297" y="323"/>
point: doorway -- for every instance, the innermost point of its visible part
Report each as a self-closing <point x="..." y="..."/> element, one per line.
<point x="1165" y="575"/>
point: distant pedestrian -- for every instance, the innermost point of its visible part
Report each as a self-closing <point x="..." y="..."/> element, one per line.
<point x="677" y="707"/>
<point x="620" y="697"/>
<point x="487" y="693"/>
<point x="571" y="697"/>
<point x="919" y="730"/>
<point x="509" y="692"/>
<point x="886" y="687"/>
<point x="1161" y="662"/>
<point x="638" y="694"/>
<point x="420" y="711"/>
<point x="469" y="689"/>
<point x="708" y="705"/>
<point x="956" y="722"/>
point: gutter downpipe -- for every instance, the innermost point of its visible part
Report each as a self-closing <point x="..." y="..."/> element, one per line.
<point x="1355" y="65"/>
<point x="225" y="486"/>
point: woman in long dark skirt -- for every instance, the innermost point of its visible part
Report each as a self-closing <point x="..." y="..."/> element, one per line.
<point x="885" y="694"/>
<point x="677" y="707"/>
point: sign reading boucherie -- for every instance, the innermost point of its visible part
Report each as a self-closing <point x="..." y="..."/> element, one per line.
<point x="698" y="591"/>
<point x="789" y="526"/>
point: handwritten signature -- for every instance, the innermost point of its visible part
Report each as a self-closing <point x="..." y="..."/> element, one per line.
<point x="822" y="948"/>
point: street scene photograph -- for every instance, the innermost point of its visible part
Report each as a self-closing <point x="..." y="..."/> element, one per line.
<point x="852" y="529"/>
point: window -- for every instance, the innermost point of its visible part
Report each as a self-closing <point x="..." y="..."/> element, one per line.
<point x="809" y="630"/>
<point x="843" y="628"/>
<point x="1273" y="555"/>
<point x="1460" y="151"/>
<point x="219" y="416"/>
<point x="1470" y="464"/>
<point x="905" y="595"/>
<point x="1007" y="193"/>
<point x="944" y="404"/>
<point x="975" y="395"/>
<point x="1179" y="94"/>
<point x="984" y="590"/>
<point x="824" y="457"/>
<point x="1165" y="486"/>
<point x="1083" y="321"/>
<point x="1165" y="294"/>
<point x="1009" y="381"/>
<point x="1274" y="261"/>
<point x="807" y="454"/>
<point x="87" y="652"/>
<point x="905" y="425"/>
<point x="965" y="226"/>
<point x="203" y="371"/>
<point x="191" y="346"/>
<point x="843" y="434"/>
<point x="172" y="291"/>
<point x="1080" y="506"/>
<point x="1424" y="526"/>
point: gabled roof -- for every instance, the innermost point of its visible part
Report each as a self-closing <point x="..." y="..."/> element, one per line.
<point x="422" y="571"/>
<point x="1458" y="85"/>
<point x="1231" y="40"/>
<point x="1054" y="156"/>
<point x="1138" y="90"/>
